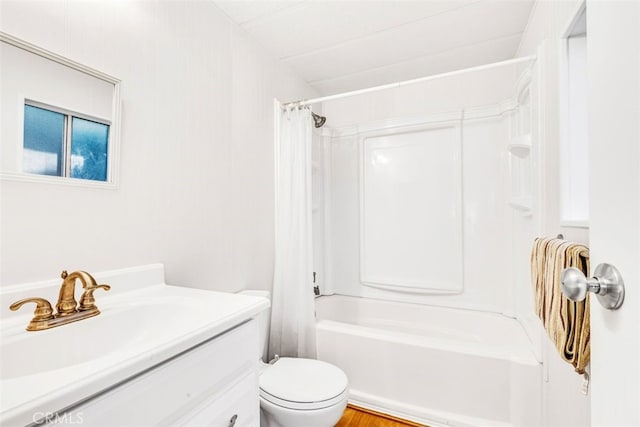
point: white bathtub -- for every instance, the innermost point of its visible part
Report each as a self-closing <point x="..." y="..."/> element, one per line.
<point x="432" y="365"/>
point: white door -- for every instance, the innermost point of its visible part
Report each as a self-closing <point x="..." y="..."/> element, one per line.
<point x="614" y="169"/>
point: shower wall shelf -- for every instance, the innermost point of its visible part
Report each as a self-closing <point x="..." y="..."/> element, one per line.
<point x="521" y="146"/>
<point x="524" y="204"/>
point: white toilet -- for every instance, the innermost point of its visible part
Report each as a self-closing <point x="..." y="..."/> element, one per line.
<point x="296" y="392"/>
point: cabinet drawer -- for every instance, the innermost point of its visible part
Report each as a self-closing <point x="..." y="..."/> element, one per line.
<point x="173" y="390"/>
<point x="237" y="403"/>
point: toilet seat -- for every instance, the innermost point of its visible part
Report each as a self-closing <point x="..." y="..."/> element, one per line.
<point x="303" y="384"/>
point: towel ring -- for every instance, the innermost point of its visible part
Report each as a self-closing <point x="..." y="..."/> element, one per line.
<point x="607" y="284"/>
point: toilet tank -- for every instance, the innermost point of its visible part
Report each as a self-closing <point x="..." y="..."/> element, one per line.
<point x="264" y="321"/>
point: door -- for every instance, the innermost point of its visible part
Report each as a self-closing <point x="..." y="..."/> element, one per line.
<point x="613" y="51"/>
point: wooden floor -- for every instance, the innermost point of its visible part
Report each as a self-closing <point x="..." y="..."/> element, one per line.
<point x="360" y="417"/>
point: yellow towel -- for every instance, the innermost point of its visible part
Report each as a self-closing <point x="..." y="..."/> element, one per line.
<point x="567" y="322"/>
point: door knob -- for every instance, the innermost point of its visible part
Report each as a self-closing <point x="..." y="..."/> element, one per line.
<point x="606" y="283"/>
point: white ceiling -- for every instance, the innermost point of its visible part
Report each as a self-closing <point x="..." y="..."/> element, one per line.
<point x="337" y="46"/>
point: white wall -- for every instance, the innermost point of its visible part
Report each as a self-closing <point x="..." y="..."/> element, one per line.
<point x="196" y="171"/>
<point x="563" y="403"/>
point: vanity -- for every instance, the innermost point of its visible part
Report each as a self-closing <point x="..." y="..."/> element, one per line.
<point x="155" y="355"/>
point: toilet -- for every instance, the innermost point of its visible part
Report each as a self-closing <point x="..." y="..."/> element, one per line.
<point x="297" y="392"/>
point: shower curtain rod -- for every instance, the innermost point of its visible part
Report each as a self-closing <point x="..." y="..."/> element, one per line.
<point x="408" y="82"/>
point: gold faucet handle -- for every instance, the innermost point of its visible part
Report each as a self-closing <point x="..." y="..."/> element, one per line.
<point x="41" y="315"/>
<point x="87" y="302"/>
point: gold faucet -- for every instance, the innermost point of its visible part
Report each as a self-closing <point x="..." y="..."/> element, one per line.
<point x="68" y="309"/>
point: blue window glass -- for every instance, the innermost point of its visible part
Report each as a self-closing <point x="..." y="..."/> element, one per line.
<point x="89" y="141"/>
<point x="60" y="144"/>
<point x="43" y="141"/>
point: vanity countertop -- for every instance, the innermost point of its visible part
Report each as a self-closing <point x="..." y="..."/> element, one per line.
<point x="143" y="322"/>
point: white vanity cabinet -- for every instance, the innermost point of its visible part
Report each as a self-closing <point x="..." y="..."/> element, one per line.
<point x="157" y="355"/>
<point x="212" y="384"/>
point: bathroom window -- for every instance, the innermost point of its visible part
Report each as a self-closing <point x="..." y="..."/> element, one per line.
<point x="574" y="147"/>
<point x="60" y="143"/>
<point x="60" y="119"/>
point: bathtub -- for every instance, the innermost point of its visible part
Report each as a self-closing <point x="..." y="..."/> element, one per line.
<point x="432" y="365"/>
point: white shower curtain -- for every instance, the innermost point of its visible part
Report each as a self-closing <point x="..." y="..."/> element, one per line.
<point x="292" y="310"/>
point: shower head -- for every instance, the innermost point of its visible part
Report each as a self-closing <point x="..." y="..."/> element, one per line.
<point x="318" y="121"/>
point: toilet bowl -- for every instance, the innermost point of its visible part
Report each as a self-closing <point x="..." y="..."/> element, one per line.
<point x="298" y="392"/>
<point x="302" y="392"/>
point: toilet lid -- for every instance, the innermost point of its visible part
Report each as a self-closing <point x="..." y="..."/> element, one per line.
<point x="303" y="383"/>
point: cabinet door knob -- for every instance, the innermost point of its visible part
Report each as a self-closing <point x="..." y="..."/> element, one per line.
<point x="232" y="421"/>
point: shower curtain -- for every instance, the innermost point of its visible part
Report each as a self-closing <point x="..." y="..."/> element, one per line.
<point x="292" y="309"/>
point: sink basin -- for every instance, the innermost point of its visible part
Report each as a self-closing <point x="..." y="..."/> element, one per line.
<point x="140" y="326"/>
<point x="53" y="349"/>
<point x="116" y="328"/>
<point x="84" y="341"/>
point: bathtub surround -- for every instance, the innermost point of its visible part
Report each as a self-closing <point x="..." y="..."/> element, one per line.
<point x="292" y="317"/>
<point x="467" y="118"/>
<point x="436" y="169"/>
<point x="567" y="322"/>
<point x="412" y="244"/>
